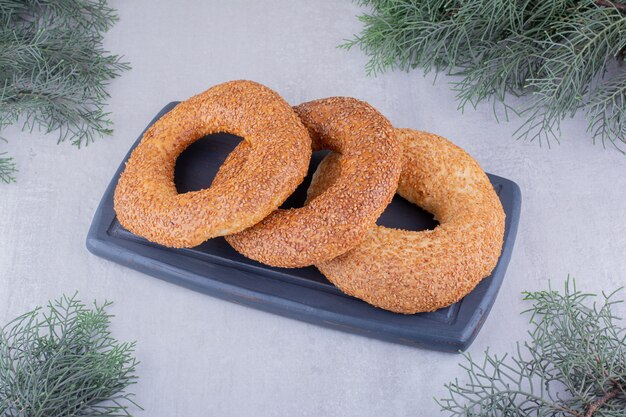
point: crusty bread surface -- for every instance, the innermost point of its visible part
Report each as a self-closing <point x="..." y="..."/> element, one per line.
<point x="368" y="156"/>
<point x="417" y="271"/>
<point x="259" y="175"/>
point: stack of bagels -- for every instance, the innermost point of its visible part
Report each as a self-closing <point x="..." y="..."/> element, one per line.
<point x="370" y="161"/>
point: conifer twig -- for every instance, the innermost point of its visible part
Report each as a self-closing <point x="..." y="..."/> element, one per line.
<point x="573" y="365"/>
<point x="63" y="361"/>
<point x="54" y="70"/>
<point x="565" y="55"/>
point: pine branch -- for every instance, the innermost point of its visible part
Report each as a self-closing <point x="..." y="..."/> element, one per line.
<point x="7" y="169"/>
<point x="599" y="403"/>
<point x="606" y="112"/>
<point x="64" y="362"/>
<point x="573" y="365"/>
<point x="573" y="62"/>
<point x="53" y="69"/>
<point x="556" y="51"/>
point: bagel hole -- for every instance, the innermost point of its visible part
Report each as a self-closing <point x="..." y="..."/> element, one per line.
<point x="197" y="165"/>
<point x="401" y="214"/>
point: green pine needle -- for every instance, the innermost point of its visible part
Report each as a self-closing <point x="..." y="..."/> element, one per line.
<point x="567" y="55"/>
<point x="53" y="68"/>
<point x="7" y="169"/>
<point x="573" y="366"/>
<point x="63" y="361"/>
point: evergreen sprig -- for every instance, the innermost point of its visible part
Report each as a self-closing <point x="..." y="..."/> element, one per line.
<point x="7" y="168"/>
<point x="573" y="366"/>
<point x="64" y="362"/>
<point x="54" y="70"/>
<point x="568" y="54"/>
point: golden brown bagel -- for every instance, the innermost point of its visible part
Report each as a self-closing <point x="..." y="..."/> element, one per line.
<point x="338" y="218"/>
<point x="407" y="271"/>
<point x="277" y="151"/>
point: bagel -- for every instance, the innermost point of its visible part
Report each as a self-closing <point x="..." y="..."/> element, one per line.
<point x="369" y="161"/>
<point x="277" y="151"/>
<point x="408" y="271"/>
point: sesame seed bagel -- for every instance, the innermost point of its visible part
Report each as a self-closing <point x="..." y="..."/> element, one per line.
<point x="277" y="151"/>
<point x="408" y="271"/>
<point x="369" y="163"/>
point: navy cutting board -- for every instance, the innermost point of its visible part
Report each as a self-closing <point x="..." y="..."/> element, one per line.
<point x="215" y="268"/>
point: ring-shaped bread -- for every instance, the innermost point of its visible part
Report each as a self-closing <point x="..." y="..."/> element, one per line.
<point x="408" y="271"/>
<point x="339" y="218"/>
<point x="277" y="149"/>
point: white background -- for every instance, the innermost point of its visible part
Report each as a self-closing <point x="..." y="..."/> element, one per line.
<point x="201" y="356"/>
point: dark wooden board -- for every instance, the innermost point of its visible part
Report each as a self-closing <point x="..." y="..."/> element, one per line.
<point x="215" y="268"/>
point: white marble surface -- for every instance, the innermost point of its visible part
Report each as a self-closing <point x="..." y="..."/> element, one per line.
<point x="201" y="356"/>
